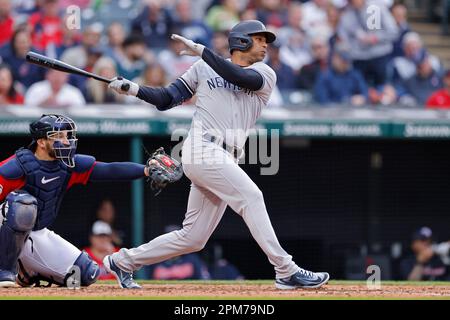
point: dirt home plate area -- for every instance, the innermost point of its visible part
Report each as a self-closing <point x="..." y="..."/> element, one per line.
<point x="233" y="290"/>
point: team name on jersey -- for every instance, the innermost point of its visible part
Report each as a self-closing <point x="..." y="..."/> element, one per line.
<point x="219" y="82"/>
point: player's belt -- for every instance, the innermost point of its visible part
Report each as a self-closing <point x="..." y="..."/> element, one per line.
<point x="233" y="150"/>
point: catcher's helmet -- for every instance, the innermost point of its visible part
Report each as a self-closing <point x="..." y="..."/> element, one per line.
<point x="49" y="126"/>
<point x="240" y="35"/>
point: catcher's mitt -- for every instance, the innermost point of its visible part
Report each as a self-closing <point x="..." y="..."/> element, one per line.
<point x="163" y="170"/>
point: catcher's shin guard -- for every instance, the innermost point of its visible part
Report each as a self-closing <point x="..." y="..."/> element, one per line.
<point x="19" y="216"/>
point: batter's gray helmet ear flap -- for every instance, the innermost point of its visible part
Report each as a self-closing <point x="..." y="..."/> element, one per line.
<point x="240" y="35"/>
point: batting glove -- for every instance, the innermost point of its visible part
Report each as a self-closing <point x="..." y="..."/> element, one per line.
<point x="120" y="85"/>
<point x="193" y="49"/>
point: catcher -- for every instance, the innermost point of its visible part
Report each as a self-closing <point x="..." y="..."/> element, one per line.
<point x="32" y="184"/>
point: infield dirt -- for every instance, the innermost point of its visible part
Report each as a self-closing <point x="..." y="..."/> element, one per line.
<point x="232" y="291"/>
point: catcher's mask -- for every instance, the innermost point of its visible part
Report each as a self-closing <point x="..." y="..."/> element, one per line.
<point x="62" y="131"/>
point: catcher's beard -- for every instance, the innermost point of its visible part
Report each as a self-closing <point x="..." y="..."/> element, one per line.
<point x="49" y="149"/>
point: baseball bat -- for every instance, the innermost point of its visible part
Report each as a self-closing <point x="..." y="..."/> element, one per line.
<point x="47" y="62"/>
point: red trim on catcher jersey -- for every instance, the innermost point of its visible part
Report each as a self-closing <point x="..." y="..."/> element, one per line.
<point x="80" y="177"/>
<point x="7" y="185"/>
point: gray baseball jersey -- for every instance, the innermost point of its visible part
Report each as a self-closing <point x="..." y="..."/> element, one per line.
<point x="217" y="179"/>
<point x="225" y="107"/>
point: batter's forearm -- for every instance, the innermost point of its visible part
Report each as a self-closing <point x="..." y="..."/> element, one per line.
<point x="244" y="78"/>
<point x="165" y="98"/>
<point x="113" y="171"/>
<point x="156" y="96"/>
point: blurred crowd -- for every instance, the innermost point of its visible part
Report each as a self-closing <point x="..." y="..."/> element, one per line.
<point x="327" y="51"/>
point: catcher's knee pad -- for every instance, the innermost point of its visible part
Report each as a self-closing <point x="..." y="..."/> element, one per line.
<point x="19" y="216"/>
<point x="89" y="269"/>
<point x="20" y="211"/>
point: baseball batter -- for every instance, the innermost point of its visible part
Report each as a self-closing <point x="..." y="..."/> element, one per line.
<point x="230" y="97"/>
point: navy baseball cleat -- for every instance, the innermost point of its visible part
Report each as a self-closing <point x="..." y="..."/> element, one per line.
<point x="125" y="279"/>
<point x="303" y="279"/>
<point x="7" y="279"/>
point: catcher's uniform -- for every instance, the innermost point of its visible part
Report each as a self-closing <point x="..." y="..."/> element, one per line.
<point x="46" y="255"/>
<point x="224" y="114"/>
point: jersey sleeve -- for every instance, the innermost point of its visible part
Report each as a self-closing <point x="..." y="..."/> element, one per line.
<point x="7" y="185"/>
<point x="83" y="169"/>
<point x="191" y="77"/>
<point x="270" y="80"/>
<point x="11" y="177"/>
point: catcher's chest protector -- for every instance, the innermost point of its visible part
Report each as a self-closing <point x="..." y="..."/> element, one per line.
<point x="47" y="182"/>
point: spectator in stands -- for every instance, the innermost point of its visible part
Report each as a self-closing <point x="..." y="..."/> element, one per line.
<point x="341" y="83"/>
<point x="25" y="7"/>
<point x="400" y="69"/>
<point x="293" y="23"/>
<point x="333" y="18"/>
<point x="321" y="55"/>
<point x="78" y="56"/>
<point x="285" y="75"/>
<point x="294" y="51"/>
<point x="186" y="267"/>
<point x="220" y="44"/>
<point x="248" y="14"/>
<point x="382" y="95"/>
<point x="97" y="91"/>
<point x="6" y="22"/>
<point x="224" y="16"/>
<point x="425" y="264"/>
<point x="154" y="75"/>
<point x="106" y="212"/>
<point x="370" y="48"/>
<point x="154" y="23"/>
<point x="400" y="14"/>
<point x="93" y="55"/>
<point x="420" y="86"/>
<point x="199" y="8"/>
<point x="116" y="37"/>
<point x="8" y="93"/>
<point x="174" y="63"/>
<point x="82" y="4"/>
<point x="14" y="54"/>
<point x="189" y="28"/>
<point x="272" y="13"/>
<point x="101" y="245"/>
<point x="441" y="99"/>
<point x="71" y="37"/>
<point x="315" y="20"/>
<point x="46" y="26"/>
<point x="276" y="99"/>
<point x="134" y="60"/>
<point x="54" y="92"/>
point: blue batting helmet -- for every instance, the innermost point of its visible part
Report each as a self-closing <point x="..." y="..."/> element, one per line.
<point x="240" y="35"/>
<point x="50" y="126"/>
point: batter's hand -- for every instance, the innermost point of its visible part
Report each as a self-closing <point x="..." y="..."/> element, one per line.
<point x="193" y="49"/>
<point x="117" y="83"/>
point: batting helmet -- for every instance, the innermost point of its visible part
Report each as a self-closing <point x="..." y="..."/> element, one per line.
<point x="240" y="35"/>
<point x="49" y="126"/>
